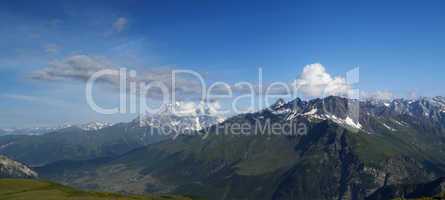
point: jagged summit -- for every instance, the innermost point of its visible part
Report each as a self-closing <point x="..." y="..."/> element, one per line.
<point x="337" y="109"/>
<point x="368" y="115"/>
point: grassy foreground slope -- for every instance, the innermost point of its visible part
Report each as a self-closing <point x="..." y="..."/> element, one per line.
<point x="24" y="189"/>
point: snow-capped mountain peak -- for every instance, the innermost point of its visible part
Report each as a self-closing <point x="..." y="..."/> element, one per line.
<point x="178" y="122"/>
<point x="356" y="113"/>
<point x="181" y="116"/>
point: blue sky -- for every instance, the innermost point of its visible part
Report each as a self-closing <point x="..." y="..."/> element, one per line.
<point x="398" y="45"/>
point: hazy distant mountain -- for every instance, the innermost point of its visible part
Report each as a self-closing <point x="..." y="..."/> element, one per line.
<point x="43" y="130"/>
<point x="13" y="169"/>
<point x="344" y="155"/>
<point x="95" y="139"/>
<point x="26" y="131"/>
<point x="74" y="143"/>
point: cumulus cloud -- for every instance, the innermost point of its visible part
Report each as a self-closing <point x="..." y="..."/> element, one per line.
<point x="120" y="24"/>
<point x="315" y="81"/>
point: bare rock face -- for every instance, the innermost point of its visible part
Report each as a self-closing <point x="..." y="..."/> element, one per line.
<point x="13" y="169"/>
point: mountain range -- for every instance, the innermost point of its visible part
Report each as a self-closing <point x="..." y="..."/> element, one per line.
<point x="96" y="139"/>
<point x="90" y="126"/>
<point x="350" y="150"/>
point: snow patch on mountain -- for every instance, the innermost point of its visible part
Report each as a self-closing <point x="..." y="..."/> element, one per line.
<point x="388" y="127"/>
<point x="399" y="123"/>
<point x="351" y="123"/>
<point x="93" y="126"/>
<point x="311" y="112"/>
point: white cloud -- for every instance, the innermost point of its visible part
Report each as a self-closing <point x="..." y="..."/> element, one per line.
<point x="120" y="24"/>
<point x="76" y="67"/>
<point x="316" y="82"/>
<point x="82" y="67"/>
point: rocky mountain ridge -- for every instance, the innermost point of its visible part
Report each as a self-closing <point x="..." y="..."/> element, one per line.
<point x="13" y="169"/>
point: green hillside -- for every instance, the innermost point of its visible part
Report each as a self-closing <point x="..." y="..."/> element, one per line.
<point x="26" y="189"/>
